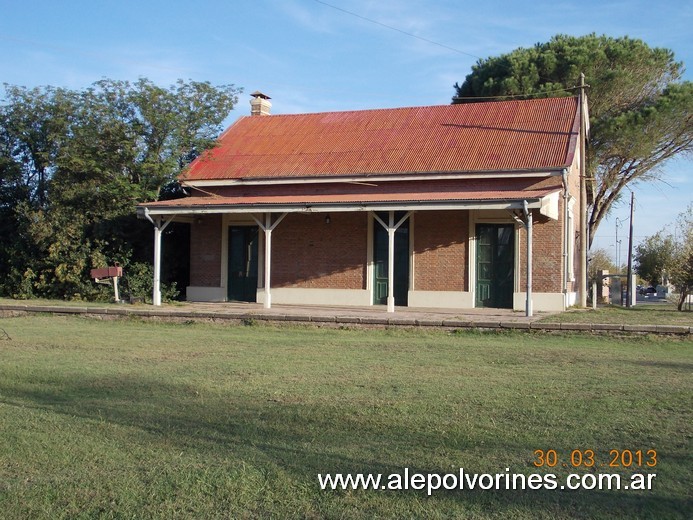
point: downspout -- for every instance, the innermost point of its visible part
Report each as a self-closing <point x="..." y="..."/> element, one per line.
<point x="566" y="237"/>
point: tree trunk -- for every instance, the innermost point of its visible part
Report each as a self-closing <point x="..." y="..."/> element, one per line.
<point x="682" y="297"/>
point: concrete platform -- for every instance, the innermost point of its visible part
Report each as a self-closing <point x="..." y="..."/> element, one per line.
<point x="377" y="312"/>
<point x="359" y="316"/>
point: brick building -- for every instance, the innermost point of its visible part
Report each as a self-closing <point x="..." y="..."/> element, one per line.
<point x="425" y="207"/>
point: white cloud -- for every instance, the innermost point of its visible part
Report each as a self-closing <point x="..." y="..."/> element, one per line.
<point x="308" y="15"/>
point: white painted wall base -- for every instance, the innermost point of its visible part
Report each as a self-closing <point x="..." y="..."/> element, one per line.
<point x="541" y="302"/>
<point x="205" y="294"/>
<point x="441" y="299"/>
<point x="303" y="296"/>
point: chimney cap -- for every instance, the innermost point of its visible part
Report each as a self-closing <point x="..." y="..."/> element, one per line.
<point x="258" y="94"/>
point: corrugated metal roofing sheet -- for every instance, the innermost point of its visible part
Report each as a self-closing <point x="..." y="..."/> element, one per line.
<point x="502" y="135"/>
<point x="350" y="193"/>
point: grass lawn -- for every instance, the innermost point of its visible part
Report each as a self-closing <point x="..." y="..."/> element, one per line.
<point x="641" y="314"/>
<point x="135" y="419"/>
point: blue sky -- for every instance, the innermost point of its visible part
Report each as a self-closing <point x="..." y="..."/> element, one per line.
<point x="311" y="57"/>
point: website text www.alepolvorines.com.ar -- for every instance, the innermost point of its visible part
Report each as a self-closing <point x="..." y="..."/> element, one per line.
<point x="462" y="480"/>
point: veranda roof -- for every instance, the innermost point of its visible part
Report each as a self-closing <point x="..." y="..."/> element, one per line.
<point x="441" y="194"/>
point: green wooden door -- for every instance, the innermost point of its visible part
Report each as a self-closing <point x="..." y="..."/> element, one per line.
<point x="495" y="265"/>
<point x="242" y="281"/>
<point x="401" y="274"/>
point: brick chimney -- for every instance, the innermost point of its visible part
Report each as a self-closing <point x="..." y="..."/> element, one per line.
<point x="260" y="104"/>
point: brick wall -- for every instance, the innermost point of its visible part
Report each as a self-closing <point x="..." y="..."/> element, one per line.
<point x="547" y="243"/>
<point x="205" y="251"/>
<point x="440" y="250"/>
<point x="309" y="253"/>
<point x="547" y="266"/>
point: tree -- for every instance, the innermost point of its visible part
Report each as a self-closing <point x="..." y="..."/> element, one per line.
<point x="73" y="165"/>
<point x="681" y="269"/>
<point x="663" y="255"/>
<point x="33" y="127"/>
<point x="141" y="134"/>
<point x="641" y="114"/>
<point x="599" y="261"/>
<point x="654" y="256"/>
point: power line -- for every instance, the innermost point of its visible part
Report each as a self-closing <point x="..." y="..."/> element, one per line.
<point x="448" y="47"/>
<point x="376" y="22"/>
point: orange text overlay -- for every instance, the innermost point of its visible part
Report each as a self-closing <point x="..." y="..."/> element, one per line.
<point x="587" y="458"/>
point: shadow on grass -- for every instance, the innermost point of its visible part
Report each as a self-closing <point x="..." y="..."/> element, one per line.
<point x="309" y="439"/>
<point x="682" y="366"/>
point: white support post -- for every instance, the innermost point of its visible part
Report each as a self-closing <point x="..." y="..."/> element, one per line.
<point x="156" y="296"/>
<point x="267" y="226"/>
<point x="526" y="222"/>
<point x="159" y="226"/>
<point x="391" y="262"/>
<point x="529" y="310"/>
<point x="391" y="227"/>
<point x="268" y="259"/>
<point x="115" y="289"/>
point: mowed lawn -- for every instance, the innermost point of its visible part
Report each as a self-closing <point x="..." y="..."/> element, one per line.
<point x="141" y="419"/>
<point x="640" y="314"/>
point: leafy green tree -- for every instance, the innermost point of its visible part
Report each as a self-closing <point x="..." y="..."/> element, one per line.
<point x="641" y="113"/>
<point x="33" y="127"/>
<point x="73" y="165"/>
<point x="654" y="256"/>
<point x="143" y="134"/>
<point x="664" y="255"/>
<point x="599" y="260"/>
<point x="681" y="269"/>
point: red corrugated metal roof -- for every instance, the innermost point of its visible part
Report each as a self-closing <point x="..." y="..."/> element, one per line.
<point x="491" y="136"/>
<point x="350" y="193"/>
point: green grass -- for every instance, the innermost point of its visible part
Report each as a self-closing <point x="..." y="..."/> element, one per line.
<point x="641" y="314"/>
<point x="34" y="302"/>
<point x="44" y="301"/>
<point x="134" y="419"/>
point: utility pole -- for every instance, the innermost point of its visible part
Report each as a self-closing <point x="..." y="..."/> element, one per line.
<point x="630" y="252"/>
<point x="583" y="198"/>
<point x="618" y="246"/>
